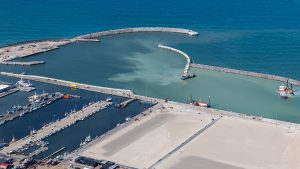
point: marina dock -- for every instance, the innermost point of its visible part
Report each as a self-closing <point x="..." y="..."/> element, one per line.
<point x="31" y="63"/>
<point x="8" y="92"/>
<point x="28" y="108"/>
<point x="125" y="103"/>
<point x="56" y="126"/>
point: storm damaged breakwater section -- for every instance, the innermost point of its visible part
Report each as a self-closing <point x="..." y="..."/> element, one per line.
<point x="246" y="73"/>
<point x="142" y="29"/>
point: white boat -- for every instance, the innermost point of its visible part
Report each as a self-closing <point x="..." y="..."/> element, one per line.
<point x="22" y="83"/>
<point x="32" y="132"/>
<point x="108" y="99"/>
<point x="128" y="119"/>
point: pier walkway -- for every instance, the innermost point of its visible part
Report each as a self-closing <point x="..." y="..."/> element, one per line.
<point x="246" y="73"/>
<point x="186" y="56"/>
<point x="106" y="90"/>
<point x="99" y="89"/>
<point x="28" y="109"/>
<point x="8" y="92"/>
<point x="56" y="126"/>
<point x="23" y="63"/>
<point x="141" y="29"/>
<point x="125" y="103"/>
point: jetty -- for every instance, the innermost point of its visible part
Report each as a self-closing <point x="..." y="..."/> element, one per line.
<point x="56" y="126"/>
<point x="99" y="89"/>
<point x="125" y="103"/>
<point x="22" y="110"/>
<point x="140" y="29"/>
<point x="11" y="52"/>
<point x="31" y="63"/>
<point x="54" y="153"/>
<point x="185" y="74"/>
<point x="247" y="73"/>
<point x="8" y="92"/>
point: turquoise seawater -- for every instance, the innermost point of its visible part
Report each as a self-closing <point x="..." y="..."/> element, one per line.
<point x="254" y="35"/>
<point x="135" y="62"/>
<point x="262" y="36"/>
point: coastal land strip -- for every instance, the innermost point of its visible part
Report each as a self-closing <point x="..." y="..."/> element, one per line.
<point x="25" y="49"/>
<point x="178" y="135"/>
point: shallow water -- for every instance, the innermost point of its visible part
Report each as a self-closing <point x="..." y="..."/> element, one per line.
<point x="135" y="62"/>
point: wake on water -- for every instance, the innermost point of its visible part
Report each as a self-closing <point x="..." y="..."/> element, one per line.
<point x="297" y="93"/>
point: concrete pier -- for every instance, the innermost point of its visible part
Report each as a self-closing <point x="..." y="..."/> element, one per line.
<point x="56" y="126"/>
<point x="125" y="103"/>
<point x="246" y="73"/>
<point x="186" y="56"/>
<point x="141" y="29"/>
<point x="8" y="92"/>
<point x="31" y="63"/>
<point x="105" y="90"/>
<point x="28" y="109"/>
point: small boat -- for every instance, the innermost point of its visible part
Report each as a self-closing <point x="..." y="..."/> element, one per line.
<point x="32" y="132"/>
<point x="108" y="99"/>
<point x="66" y="97"/>
<point x="286" y="91"/>
<point x="128" y="119"/>
<point x="201" y="103"/>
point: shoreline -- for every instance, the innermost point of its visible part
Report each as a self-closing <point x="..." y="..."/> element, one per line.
<point x="92" y="37"/>
<point x="129" y="94"/>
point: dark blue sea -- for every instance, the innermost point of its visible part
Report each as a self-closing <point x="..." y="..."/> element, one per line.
<point x="254" y="35"/>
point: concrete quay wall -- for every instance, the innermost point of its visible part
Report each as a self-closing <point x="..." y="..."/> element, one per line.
<point x="106" y="90"/>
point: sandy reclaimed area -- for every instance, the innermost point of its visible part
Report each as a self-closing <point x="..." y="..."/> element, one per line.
<point x="22" y="50"/>
<point x="234" y="143"/>
<point x="144" y="142"/>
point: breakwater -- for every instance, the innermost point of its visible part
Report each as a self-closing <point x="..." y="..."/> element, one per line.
<point x="141" y="29"/>
<point x="246" y="73"/>
<point x="186" y="56"/>
<point x="106" y="90"/>
<point x="99" y="89"/>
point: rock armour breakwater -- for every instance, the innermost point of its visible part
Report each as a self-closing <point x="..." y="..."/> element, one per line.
<point x="132" y="30"/>
<point x="186" y="56"/>
<point x="246" y="73"/>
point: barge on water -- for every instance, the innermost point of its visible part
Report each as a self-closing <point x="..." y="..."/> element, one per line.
<point x="35" y="102"/>
<point x="286" y="91"/>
